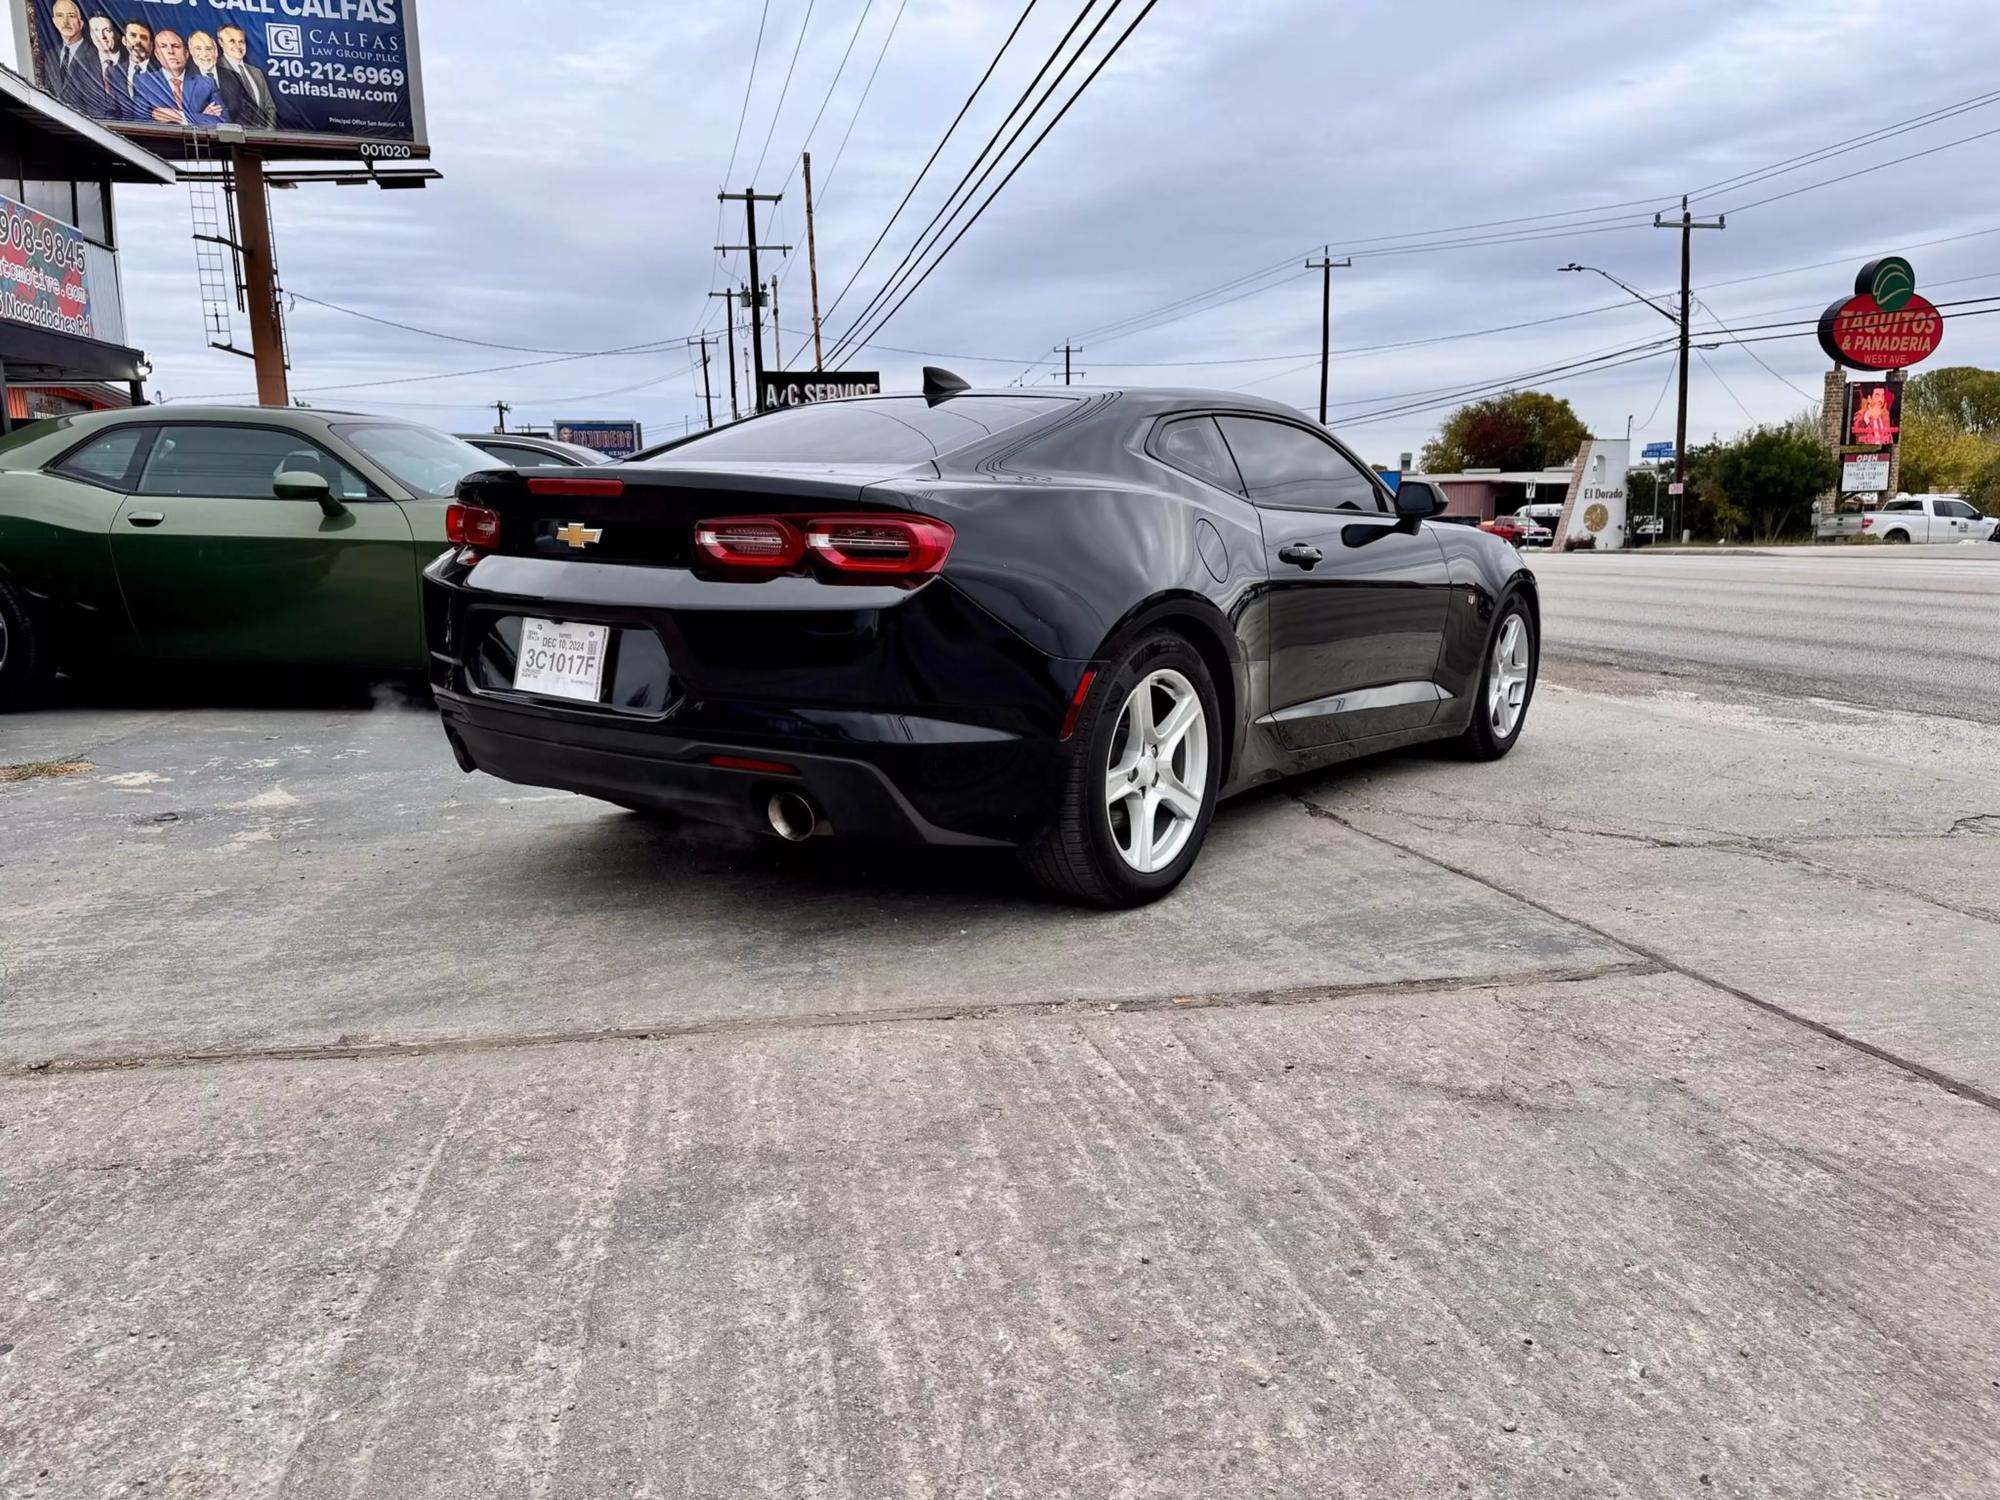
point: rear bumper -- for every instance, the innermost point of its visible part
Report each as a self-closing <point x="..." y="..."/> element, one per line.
<point x="673" y="773"/>
<point x="906" y="717"/>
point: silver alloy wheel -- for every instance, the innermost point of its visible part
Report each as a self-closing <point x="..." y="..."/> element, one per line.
<point x="1507" y="678"/>
<point x="1158" y="772"/>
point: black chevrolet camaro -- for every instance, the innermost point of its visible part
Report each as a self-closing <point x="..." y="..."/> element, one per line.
<point x="1069" y="624"/>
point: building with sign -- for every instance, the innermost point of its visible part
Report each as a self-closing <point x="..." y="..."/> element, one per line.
<point x="1483" y="494"/>
<point x="63" y="341"/>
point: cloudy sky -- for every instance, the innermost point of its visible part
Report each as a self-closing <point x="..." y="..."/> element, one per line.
<point x="582" y="146"/>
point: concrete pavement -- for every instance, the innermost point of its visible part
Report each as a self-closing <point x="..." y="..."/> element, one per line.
<point x="1622" y="1118"/>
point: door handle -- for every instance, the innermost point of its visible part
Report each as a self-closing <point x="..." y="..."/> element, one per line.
<point x="1300" y="555"/>
<point x="145" y="518"/>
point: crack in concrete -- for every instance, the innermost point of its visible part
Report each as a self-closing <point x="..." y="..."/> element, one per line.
<point x="1777" y="850"/>
<point x="825" y="1020"/>
<point x="1956" y="1087"/>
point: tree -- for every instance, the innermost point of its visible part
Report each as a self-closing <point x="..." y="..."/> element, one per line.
<point x="1765" y="481"/>
<point x="1966" y="397"/>
<point x="1939" y="454"/>
<point x="1521" y="430"/>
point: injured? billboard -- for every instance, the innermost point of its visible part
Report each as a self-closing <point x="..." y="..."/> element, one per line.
<point x="310" y="77"/>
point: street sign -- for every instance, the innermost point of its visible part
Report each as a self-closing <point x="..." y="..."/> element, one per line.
<point x="1657" y="450"/>
<point x="1676" y="488"/>
<point x="1865" y="474"/>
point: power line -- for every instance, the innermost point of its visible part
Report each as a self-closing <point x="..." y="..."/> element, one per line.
<point x="1866" y="138"/>
<point x="860" y="103"/>
<point x="1709" y="365"/>
<point x="952" y="205"/>
<point x="455" y="338"/>
<point x="786" y="89"/>
<point x="827" y="98"/>
<point x="363" y="385"/>
<point x="943" y="141"/>
<point x="749" y="87"/>
<point x="1862" y="171"/>
<point x="1035" y="145"/>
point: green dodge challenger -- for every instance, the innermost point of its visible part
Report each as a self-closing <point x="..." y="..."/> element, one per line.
<point x="231" y="536"/>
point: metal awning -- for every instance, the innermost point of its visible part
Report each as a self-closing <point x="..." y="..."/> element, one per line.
<point x="27" y="112"/>
<point x="38" y="356"/>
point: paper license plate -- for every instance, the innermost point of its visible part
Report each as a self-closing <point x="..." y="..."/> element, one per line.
<point x="562" y="661"/>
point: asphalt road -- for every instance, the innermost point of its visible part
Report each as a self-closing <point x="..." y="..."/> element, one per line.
<point x="1913" y="628"/>
<point x="1619" y="1119"/>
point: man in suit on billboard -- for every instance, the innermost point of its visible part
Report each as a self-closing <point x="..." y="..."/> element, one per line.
<point x="246" y="91"/>
<point x="108" y="97"/>
<point x="66" y="69"/>
<point x="172" y="94"/>
<point x="138" y="63"/>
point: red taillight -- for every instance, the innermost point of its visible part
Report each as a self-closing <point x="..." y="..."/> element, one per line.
<point x="762" y="542"/>
<point x="557" y="485"/>
<point x="1866" y="522"/>
<point x="745" y="763"/>
<point x="471" y="525"/>
<point x="900" y="546"/>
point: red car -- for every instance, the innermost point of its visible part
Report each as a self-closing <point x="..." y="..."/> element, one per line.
<point x="1522" y="531"/>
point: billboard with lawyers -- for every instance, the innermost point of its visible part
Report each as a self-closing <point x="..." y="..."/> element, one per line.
<point x="185" y="77"/>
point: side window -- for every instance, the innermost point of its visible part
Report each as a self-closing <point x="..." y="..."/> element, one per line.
<point x="239" y="463"/>
<point x="107" y="460"/>
<point x="1904" y="505"/>
<point x="521" y="458"/>
<point x="1287" y="467"/>
<point x="1957" y="510"/>
<point x="1194" y="444"/>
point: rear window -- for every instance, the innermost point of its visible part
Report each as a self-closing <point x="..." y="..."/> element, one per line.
<point x="895" y="429"/>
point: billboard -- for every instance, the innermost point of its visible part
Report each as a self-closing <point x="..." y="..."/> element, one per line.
<point x="612" y="439"/>
<point x="307" y="77"/>
<point x="804" y="387"/>
<point x="44" y="272"/>
<point x="1874" y="414"/>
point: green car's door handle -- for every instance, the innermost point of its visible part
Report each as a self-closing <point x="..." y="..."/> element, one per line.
<point x="145" y="518"/>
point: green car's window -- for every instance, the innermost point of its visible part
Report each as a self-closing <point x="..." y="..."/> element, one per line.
<point x="239" y="463"/>
<point x="108" y="460"/>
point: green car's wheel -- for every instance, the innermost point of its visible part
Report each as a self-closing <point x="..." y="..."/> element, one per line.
<point x="27" y="661"/>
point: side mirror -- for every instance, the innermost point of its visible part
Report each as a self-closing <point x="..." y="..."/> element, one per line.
<point x="1418" y="502"/>
<point x="303" y="484"/>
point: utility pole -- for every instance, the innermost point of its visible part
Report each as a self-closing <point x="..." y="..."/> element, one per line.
<point x="751" y="198"/>
<point x="812" y="259"/>
<point x="729" y="312"/>
<point x="500" y="410"/>
<point x="707" y="396"/>
<point x="777" y="358"/>
<point x="1326" y="265"/>
<point x="1068" y="350"/>
<point x="1687" y="224"/>
<point x="260" y="277"/>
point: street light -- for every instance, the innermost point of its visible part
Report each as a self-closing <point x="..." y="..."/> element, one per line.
<point x="1671" y="317"/>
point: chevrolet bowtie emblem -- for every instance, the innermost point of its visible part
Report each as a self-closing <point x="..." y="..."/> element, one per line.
<point x="579" y="535"/>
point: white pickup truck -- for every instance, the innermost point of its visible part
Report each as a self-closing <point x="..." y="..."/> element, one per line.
<point x="1912" y="518"/>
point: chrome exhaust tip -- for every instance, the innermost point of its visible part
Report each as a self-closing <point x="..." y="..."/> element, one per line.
<point x="793" y="818"/>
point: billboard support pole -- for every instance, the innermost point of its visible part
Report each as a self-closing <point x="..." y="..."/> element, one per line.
<point x="6" y="422"/>
<point x="812" y="262"/>
<point x="267" y="343"/>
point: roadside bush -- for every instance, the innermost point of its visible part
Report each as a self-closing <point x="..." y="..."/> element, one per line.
<point x="1762" y="485"/>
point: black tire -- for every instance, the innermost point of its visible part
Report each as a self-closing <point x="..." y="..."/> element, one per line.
<point x="1481" y="739"/>
<point x="1898" y="538"/>
<point x="1076" y="855"/>
<point x="27" y="656"/>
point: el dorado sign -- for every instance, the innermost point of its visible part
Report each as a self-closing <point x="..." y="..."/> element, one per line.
<point x="1885" y="325"/>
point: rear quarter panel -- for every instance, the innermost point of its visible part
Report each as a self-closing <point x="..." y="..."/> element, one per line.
<point x="55" y="540"/>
